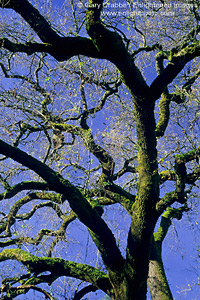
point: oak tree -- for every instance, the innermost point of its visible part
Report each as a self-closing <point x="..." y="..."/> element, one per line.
<point x="100" y="109"/>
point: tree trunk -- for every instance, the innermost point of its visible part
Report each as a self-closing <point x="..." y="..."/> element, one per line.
<point x="130" y="287"/>
<point x="133" y="285"/>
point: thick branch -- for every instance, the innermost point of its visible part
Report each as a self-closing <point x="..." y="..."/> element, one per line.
<point x="165" y="223"/>
<point x="112" y="194"/>
<point x="170" y="175"/>
<point x="167" y="200"/>
<point x="88" y="289"/>
<point x="111" y="46"/>
<point x="59" y="47"/>
<point x="103" y="237"/>
<point x="164" y="107"/>
<point x="166" y="98"/>
<point x="176" y="64"/>
<point x="28" y="48"/>
<point x="32" y="16"/>
<point x="57" y="267"/>
<point x="189" y="156"/>
<point x="63" y="50"/>
<point x="157" y="281"/>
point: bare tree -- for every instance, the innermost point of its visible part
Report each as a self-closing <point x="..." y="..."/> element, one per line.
<point x="100" y="109"/>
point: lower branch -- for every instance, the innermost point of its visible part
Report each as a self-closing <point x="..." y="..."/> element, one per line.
<point x="22" y="289"/>
<point x="57" y="267"/>
<point x="104" y="238"/>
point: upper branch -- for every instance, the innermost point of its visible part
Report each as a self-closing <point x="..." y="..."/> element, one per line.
<point x="166" y="98"/>
<point x="181" y="178"/>
<point x="165" y="223"/>
<point x="28" y="48"/>
<point x="111" y="46"/>
<point x="79" y="295"/>
<point x="65" y="48"/>
<point x="103" y="44"/>
<point x="188" y="84"/>
<point x="32" y="16"/>
<point x="126" y="168"/>
<point x="61" y="48"/>
<point x="109" y="91"/>
<point x="175" y="65"/>
<point x="35" y="85"/>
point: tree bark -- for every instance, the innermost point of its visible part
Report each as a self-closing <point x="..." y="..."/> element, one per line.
<point x="133" y="282"/>
<point x="157" y="280"/>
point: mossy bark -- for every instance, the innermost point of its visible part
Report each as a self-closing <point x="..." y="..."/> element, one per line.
<point x="157" y="281"/>
<point x="57" y="267"/>
<point x="133" y="282"/>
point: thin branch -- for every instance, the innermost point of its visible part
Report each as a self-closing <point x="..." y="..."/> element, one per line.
<point x="147" y="49"/>
<point x="22" y="186"/>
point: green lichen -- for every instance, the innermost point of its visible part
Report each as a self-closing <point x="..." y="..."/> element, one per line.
<point x="163" y="115"/>
<point x="188" y="156"/>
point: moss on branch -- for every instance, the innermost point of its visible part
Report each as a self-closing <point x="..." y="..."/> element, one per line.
<point x="25" y="185"/>
<point x="164" y="107"/>
<point x="175" y="213"/>
<point x="163" y="115"/>
<point x="57" y="267"/>
<point x="188" y="156"/>
<point x="174" y="67"/>
<point x="87" y="215"/>
<point x="29" y="48"/>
